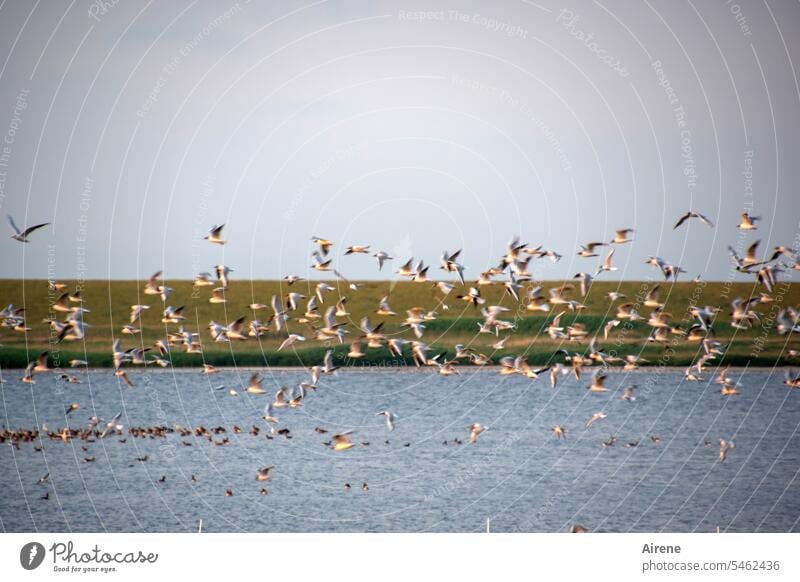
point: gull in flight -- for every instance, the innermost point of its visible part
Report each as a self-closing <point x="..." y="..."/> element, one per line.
<point x="611" y="324"/>
<point x="327" y="363"/>
<point x="292" y="339"/>
<point x="382" y="257"/>
<point x="651" y="300"/>
<point x="41" y="364"/>
<point x="744" y="264"/>
<point x="559" y="431"/>
<point x="355" y="350"/>
<point x="217" y="295"/>
<point x="500" y="344"/>
<point x="512" y="287"/>
<point x="556" y="371"/>
<point x="395" y="346"/>
<point x="292" y="299"/>
<point x="234" y="330"/>
<point x="61" y="305"/>
<point x="550" y="254"/>
<point x="692" y="214"/>
<point x="136" y="312"/>
<point x="390" y="418"/>
<point x="204" y="280"/>
<point x="323" y="243"/>
<point x="444" y="287"/>
<point x="27" y="378"/>
<point x="420" y="273"/>
<point x="595" y="417"/>
<point x="587" y="250"/>
<point x="536" y="302"/>
<point x="173" y="314"/>
<point x="215" y="235"/>
<point x="331" y="328"/>
<point x="372" y="334"/>
<point x="319" y="263"/>
<point x="473" y="296"/>
<point x="292" y="279"/>
<point x="341" y="308"/>
<point x="621" y="236"/>
<point x="449" y="264"/>
<point x="263" y="473"/>
<point x="632" y="361"/>
<point x="407" y="270"/>
<point x="222" y="274"/>
<point x="384" y="308"/>
<point x="748" y="222"/>
<point x="606" y="264"/>
<point x="321" y="289"/>
<point x="254" y="385"/>
<point x="792" y="380"/>
<point x="627" y="311"/>
<point x="586" y="281"/>
<point x="598" y="382"/>
<point x="22" y="235"/>
<point x="153" y="288"/>
<point x="341" y="441"/>
<point x="357" y="249"/>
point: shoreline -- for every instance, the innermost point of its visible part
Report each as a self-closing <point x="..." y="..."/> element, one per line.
<point x="464" y="370"/>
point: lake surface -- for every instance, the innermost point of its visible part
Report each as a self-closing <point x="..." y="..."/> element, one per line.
<point x="518" y="474"/>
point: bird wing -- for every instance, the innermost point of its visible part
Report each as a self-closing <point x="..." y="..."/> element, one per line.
<point x="751" y="250"/>
<point x="607" y="262"/>
<point x="734" y="256"/>
<point x="30" y="229"/>
<point x="13" y="225"/>
<point x="236" y="326"/>
<point x="705" y="220"/>
<point x="682" y="219"/>
<point x="330" y="316"/>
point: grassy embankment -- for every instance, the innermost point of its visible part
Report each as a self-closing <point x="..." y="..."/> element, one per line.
<point x="109" y="303"/>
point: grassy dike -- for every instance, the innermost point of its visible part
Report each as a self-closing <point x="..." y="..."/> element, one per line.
<point x="110" y="301"/>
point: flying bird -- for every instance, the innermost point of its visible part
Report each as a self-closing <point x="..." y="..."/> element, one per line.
<point x="390" y="418"/>
<point x="263" y="473"/>
<point x="215" y="235"/>
<point x="692" y="214"/>
<point x="748" y="222"/>
<point x="22" y="235"/>
<point x="341" y="441"/>
<point x="621" y="236"/>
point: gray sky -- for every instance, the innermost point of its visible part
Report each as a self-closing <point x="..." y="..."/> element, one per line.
<point x="136" y="126"/>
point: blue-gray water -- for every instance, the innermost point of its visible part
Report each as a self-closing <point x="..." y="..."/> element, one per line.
<point x="518" y="474"/>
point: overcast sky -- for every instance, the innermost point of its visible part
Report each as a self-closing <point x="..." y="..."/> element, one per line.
<point x="134" y="127"/>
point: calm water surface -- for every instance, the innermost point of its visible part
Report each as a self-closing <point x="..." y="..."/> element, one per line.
<point x="517" y="473"/>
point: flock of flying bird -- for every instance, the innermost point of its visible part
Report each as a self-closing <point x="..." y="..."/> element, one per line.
<point x="512" y="273"/>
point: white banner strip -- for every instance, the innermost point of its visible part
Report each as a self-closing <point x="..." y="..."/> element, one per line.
<point x="350" y="557"/>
